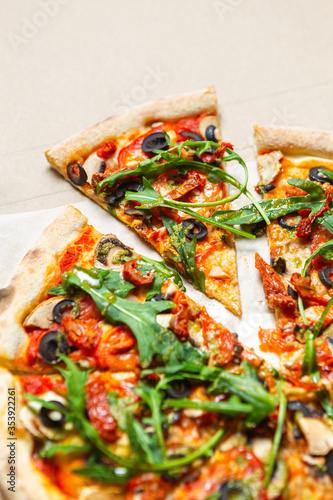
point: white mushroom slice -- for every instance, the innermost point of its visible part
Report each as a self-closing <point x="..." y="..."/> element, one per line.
<point x="170" y="291"/>
<point x="210" y="120"/>
<point x="95" y="493"/>
<point x="310" y="460"/>
<point x="93" y="165"/>
<point x="262" y="447"/>
<point x="192" y="413"/>
<point x="217" y="272"/>
<point x="110" y="252"/>
<point x="41" y="316"/>
<point x="29" y="416"/>
<point x="318" y="435"/>
<point x="269" y="166"/>
<point x="164" y="320"/>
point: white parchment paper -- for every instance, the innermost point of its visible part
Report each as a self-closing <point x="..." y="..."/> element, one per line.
<point x="19" y="231"/>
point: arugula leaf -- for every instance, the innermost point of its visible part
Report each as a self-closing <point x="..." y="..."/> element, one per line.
<point x="274" y="208"/>
<point x="106" y="473"/>
<point x="162" y="272"/>
<point x="117" y="284"/>
<point x="326" y="172"/>
<point x="119" y="407"/>
<point x="144" y="446"/>
<point x="50" y="450"/>
<point x="152" y="339"/>
<point x="230" y="408"/>
<point x="314" y="190"/>
<point x="161" y="268"/>
<point x="57" y="290"/>
<point x="153" y="400"/>
<point x="326" y="220"/>
<point x="278" y="434"/>
<point x="186" y="250"/>
<point x="325" y="402"/>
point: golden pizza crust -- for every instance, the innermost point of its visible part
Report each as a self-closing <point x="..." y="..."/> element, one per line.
<point x="33" y="277"/>
<point x="294" y="141"/>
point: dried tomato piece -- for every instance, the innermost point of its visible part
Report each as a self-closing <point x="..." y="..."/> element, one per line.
<point x="305" y="226"/>
<point x="306" y="291"/>
<point x="98" y="410"/>
<point x="105" y="151"/>
<point x="83" y="333"/>
<point x="131" y="274"/>
<point x="150" y="486"/>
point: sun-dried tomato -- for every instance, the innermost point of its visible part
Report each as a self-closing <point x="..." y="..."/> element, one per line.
<point x="98" y="410"/>
<point x="131" y="274"/>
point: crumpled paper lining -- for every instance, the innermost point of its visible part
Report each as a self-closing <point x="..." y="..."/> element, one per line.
<point x="18" y="232"/>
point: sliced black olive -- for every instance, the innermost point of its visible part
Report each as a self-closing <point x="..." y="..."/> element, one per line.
<point x="111" y="198"/>
<point x="210" y="133"/>
<point x="324" y="276"/>
<point x="225" y="238"/>
<point x="282" y="223"/>
<point x="156" y="140"/>
<point x="294" y="405"/>
<point x="105" y="245"/>
<point x="191" y="135"/>
<point x="179" y="389"/>
<point x="227" y="489"/>
<point x="267" y="188"/>
<point x="196" y="225"/>
<point x="52" y="418"/>
<point x="329" y="464"/>
<point x="315" y="175"/>
<point x="279" y="265"/>
<point x="157" y="298"/>
<point x="77" y="179"/>
<point x="52" y="344"/>
<point x="128" y="186"/>
<point x="102" y="167"/>
<point x="292" y="292"/>
<point x="238" y="349"/>
<point x="60" y="309"/>
<point x="139" y="212"/>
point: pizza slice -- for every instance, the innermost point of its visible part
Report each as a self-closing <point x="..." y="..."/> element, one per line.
<point x="158" y="168"/>
<point x="89" y="296"/>
<point x="296" y="172"/>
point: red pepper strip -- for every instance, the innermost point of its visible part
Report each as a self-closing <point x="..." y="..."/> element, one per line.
<point x="275" y="290"/>
<point x="131" y="274"/>
<point x="304" y="229"/>
<point x="219" y="153"/>
<point x="190" y="181"/>
<point x="303" y="287"/>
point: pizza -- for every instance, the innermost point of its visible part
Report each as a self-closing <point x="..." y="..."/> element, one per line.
<point x="123" y="387"/>
<point x="158" y="168"/>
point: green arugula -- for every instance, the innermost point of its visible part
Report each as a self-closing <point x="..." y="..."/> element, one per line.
<point x="149" y="198"/>
<point x="106" y="474"/>
<point x="162" y="272"/>
<point x="152" y="339"/>
<point x="230" y="408"/>
<point x="186" y="250"/>
<point x="278" y="434"/>
<point x="49" y="451"/>
<point x="326" y="403"/>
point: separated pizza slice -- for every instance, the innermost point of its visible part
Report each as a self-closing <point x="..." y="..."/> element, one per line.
<point x="89" y="296"/>
<point x="158" y="168"/>
<point x="296" y="172"/>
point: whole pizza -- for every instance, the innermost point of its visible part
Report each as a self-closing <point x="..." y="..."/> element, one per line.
<point x="115" y="384"/>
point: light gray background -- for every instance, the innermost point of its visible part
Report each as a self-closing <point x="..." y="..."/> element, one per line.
<point x="67" y="64"/>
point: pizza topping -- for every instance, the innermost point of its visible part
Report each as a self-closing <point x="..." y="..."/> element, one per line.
<point x="190" y="135"/>
<point x="179" y="389"/>
<point x="106" y="150"/>
<point x="53" y="418"/>
<point x="315" y="174"/>
<point x="234" y="489"/>
<point x="145" y="215"/>
<point x="325" y="276"/>
<point x="269" y="166"/>
<point x="82" y="333"/>
<point x="154" y="141"/>
<point x="279" y="265"/>
<point x="99" y="411"/>
<point x="318" y="435"/>
<point x="193" y="227"/>
<point x="284" y="222"/>
<point x="76" y="173"/>
<point x="93" y="165"/>
<point x="208" y="128"/>
<point x="134" y="276"/>
<point x="51" y="345"/>
<point x="64" y="307"/>
<point x="110" y="253"/>
<point x="42" y="315"/>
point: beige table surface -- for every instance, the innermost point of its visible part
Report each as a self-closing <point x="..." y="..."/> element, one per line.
<point x="67" y="64"/>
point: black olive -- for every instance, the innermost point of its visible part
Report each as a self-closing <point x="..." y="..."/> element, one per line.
<point x="51" y="345"/>
<point x="329" y="464"/>
<point x="156" y="140"/>
<point x="102" y="167"/>
<point x="172" y="478"/>
<point x="315" y="175"/>
<point x="196" y="224"/>
<point x="227" y="489"/>
<point x="267" y="188"/>
<point x="238" y="349"/>
<point x="139" y="212"/>
<point x="52" y="418"/>
<point x="60" y="309"/>
<point x="292" y="292"/>
<point x="112" y="199"/>
<point x="294" y="405"/>
<point x="191" y="135"/>
<point x="193" y="342"/>
<point x="128" y="186"/>
<point x="282" y="223"/>
<point x="225" y="238"/>
<point x="324" y="276"/>
<point x="157" y="298"/>
<point x="106" y="244"/>
<point x="210" y="133"/>
<point x="79" y="179"/>
<point x="215" y="163"/>
<point x="179" y="389"/>
<point x="279" y="265"/>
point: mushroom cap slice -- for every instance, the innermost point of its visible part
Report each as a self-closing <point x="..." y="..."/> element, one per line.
<point x="110" y="252"/>
<point x="318" y="435"/>
<point x="41" y="316"/>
